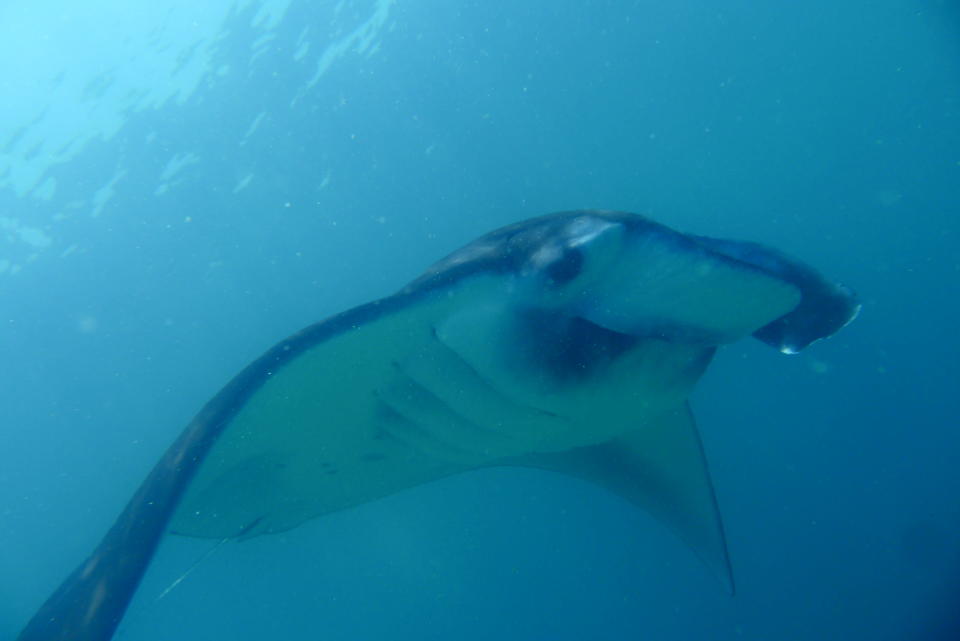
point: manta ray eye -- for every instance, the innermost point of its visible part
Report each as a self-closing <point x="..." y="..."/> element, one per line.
<point x="566" y="267"/>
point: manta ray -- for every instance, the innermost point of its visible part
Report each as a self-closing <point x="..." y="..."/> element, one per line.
<point x="568" y="342"/>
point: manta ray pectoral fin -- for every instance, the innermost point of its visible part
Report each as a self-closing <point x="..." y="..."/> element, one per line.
<point x="661" y="468"/>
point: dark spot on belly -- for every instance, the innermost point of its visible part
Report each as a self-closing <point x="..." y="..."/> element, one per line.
<point x="246" y="529"/>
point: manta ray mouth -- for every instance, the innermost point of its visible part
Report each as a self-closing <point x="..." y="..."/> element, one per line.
<point x="569" y="348"/>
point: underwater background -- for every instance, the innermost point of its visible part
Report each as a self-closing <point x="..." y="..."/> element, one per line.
<point x="182" y="184"/>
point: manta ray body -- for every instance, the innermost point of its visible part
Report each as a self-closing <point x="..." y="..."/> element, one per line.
<point x="568" y="342"/>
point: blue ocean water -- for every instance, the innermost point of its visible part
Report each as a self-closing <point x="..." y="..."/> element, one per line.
<point x="183" y="184"/>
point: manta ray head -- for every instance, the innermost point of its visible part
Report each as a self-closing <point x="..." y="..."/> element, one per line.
<point x="633" y="276"/>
